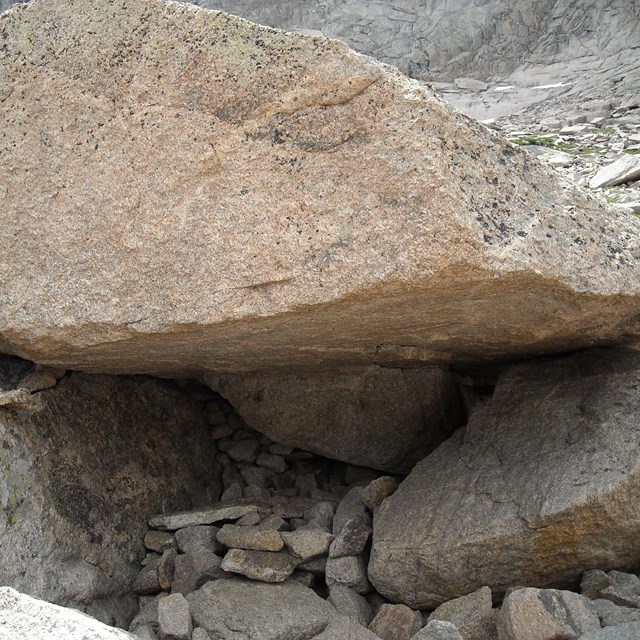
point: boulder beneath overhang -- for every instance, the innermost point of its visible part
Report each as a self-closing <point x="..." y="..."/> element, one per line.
<point x="542" y="485"/>
<point x="387" y="419"/>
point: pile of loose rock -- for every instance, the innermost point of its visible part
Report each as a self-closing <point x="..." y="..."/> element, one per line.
<point x="284" y="555"/>
<point x="598" y="148"/>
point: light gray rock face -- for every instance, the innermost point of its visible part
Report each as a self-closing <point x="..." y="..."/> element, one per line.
<point x="25" y="618"/>
<point x="543" y="614"/>
<point x="345" y="628"/>
<point x="174" y="619"/>
<point x="430" y="39"/>
<point x="244" y="609"/>
<point x="80" y="477"/>
<point x="438" y="630"/>
<point x="351" y="604"/>
<point x="629" y="631"/>
<point x="383" y="418"/>
<point x="619" y="587"/>
<point x="412" y="223"/>
<point x="464" y="517"/>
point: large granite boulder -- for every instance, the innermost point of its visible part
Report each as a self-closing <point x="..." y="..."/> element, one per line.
<point x="80" y="477"/>
<point x="542" y="485"/>
<point x="240" y="608"/>
<point x="185" y="191"/>
<point x="382" y="418"/>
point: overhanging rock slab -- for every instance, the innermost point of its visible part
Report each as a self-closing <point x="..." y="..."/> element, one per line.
<point x="184" y="191"/>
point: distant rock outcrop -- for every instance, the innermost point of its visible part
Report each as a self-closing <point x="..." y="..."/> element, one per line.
<point x="185" y="191"/>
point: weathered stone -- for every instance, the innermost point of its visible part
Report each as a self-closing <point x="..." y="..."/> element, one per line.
<point x="146" y="582"/>
<point x="396" y="622"/>
<point x="463" y="610"/>
<point x="348" y="571"/>
<point x="194" y="569"/>
<point x="159" y="541"/>
<point x="257" y="476"/>
<point x="200" y="634"/>
<point x="543" y="614"/>
<point x="250" y="520"/>
<point x="303" y="577"/>
<point x="307" y="544"/>
<point x="174" y="619"/>
<point x="198" y="538"/>
<point x="566" y="425"/>
<point x="232" y="493"/>
<point x="274" y="522"/>
<point x="438" y="630"/>
<point x="316" y="566"/>
<point x="25" y="618"/>
<point x="217" y="513"/>
<point x="402" y="415"/>
<point x="147" y="616"/>
<point x="285" y="611"/>
<point x="629" y="631"/>
<point x="38" y="381"/>
<point x="611" y="614"/>
<point x="272" y="462"/>
<point x="242" y="451"/>
<point x="166" y="569"/>
<point x="352" y="539"/>
<point x="348" y="508"/>
<point x="377" y="490"/>
<point x="344" y="628"/>
<point x="360" y="153"/>
<point x="266" y="566"/>
<point x="350" y="603"/>
<point x="253" y="492"/>
<point x="257" y="538"/>
<point x="626" y="168"/>
<point x="320" y="516"/>
<point x="145" y="632"/>
<point x="81" y="476"/>
<point x="621" y="588"/>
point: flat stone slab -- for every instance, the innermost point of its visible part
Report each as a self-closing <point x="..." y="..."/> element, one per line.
<point x="217" y="513"/>
<point x="266" y="566"/>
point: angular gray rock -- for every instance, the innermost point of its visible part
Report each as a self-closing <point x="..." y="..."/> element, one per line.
<point x="174" y="618"/>
<point x="353" y="538"/>
<point x="331" y="196"/>
<point x="625" y="169"/>
<point x="306" y="544"/>
<point x="266" y="566"/>
<point x="350" y="603"/>
<point x="464" y="517"/>
<point x="348" y="508"/>
<point x="25" y="618"/>
<point x="611" y="614"/>
<point x="629" y="631"/>
<point x="620" y="588"/>
<point x="396" y="622"/>
<point x="345" y="628"/>
<point x="348" y="571"/>
<point x="193" y="569"/>
<point x="208" y="515"/>
<point x="80" y="478"/>
<point x="256" y="538"/>
<point x="382" y="418"/>
<point x="285" y="611"/>
<point x="542" y="614"/>
<point x="198" y="538"/>
<point x="438" y="630"/>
